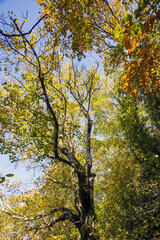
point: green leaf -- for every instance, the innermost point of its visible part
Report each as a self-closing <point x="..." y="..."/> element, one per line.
<point x="125" y="18"/>
<point x="10" y="175"/>
<point x="135" y="27"/>
<point x="116" y="32"/>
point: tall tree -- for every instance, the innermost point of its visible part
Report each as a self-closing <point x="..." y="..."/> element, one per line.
<point x="45" y="113"/>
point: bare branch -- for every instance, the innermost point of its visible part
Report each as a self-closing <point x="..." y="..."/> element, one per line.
<point x="22" y="34"/>
<point x="78" y="101"/>
<point x="107" y="44"/>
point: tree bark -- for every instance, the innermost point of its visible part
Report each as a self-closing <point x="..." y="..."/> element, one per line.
<point x="85" y="206"/>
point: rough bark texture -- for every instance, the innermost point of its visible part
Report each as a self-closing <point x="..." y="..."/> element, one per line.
<point x="85" y="206"/>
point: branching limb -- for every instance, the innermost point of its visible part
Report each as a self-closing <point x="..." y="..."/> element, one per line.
<point x="73" y="218"/>
<point x="62" y="127"/>
<point x="101" y="29"/>
<point x="78" y="101"/>
<point x="18" y="52"/>
<point x="68" y="215"/>
<point x="48" y="104"/>
<point x="54" y="118"/>
<point x="61" y="160"/>
<point x="84" y="103"/>
<point x="19" y="216"/>
<point x="112" y="12"/>
<point x="58" y="182"/>
<point x="73" y="160"/>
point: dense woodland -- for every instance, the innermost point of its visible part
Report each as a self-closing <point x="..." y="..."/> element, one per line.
<point x="94" y="130"/>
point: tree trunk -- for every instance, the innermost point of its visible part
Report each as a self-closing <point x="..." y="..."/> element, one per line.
<point x="88" y="230"/>
<point x="85" y="207"/>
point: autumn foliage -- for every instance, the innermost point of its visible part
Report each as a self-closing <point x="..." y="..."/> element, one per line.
<point x="94" y="134"/>
<point x="122" y="31"/>
<point x="139" y="49"/>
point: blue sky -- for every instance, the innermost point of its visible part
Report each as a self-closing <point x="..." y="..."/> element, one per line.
<point x="19" y="7"/>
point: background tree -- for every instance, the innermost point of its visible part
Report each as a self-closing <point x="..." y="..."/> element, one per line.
<point x="48" y="115"/>
<point x="130" y="201"/>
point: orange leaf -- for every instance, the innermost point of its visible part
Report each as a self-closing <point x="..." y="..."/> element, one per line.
<point x="126" y="41"/>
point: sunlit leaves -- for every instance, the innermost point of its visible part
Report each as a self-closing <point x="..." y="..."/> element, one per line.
<point x="84" y="25"/>
<point x="140" y="52"/>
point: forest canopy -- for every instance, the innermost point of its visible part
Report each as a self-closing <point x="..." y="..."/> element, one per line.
<point x="93" y="129"/>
